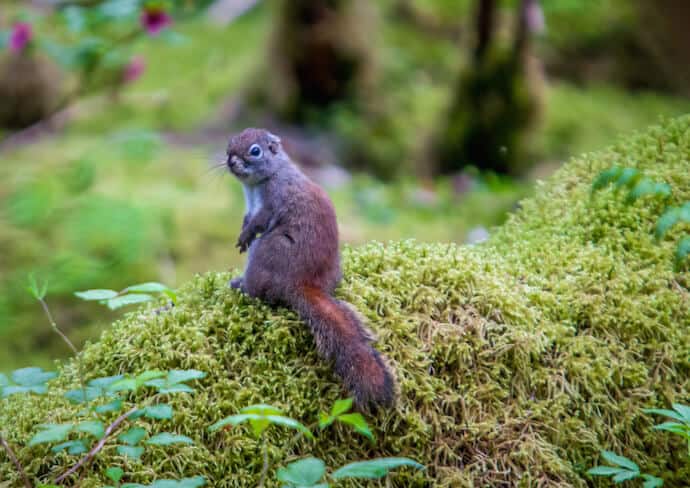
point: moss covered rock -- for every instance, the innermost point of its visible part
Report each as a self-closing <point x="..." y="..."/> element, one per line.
<point x="517" y="359"/>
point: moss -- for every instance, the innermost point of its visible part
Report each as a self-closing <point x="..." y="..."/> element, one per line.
<point x="517" y="359"/>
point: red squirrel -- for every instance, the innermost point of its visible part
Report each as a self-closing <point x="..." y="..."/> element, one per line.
<point x="291" y="233"/>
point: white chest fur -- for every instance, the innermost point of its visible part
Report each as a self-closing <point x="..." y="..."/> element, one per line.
<point x="252" y="197"/>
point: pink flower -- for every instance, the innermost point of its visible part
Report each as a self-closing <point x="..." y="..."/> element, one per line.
<point x="134" y="69"/>
<point x="20" y="37"/>
<point x="154" y="19"/>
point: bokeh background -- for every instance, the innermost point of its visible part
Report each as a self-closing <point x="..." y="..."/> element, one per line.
<point x="424" y="119"/>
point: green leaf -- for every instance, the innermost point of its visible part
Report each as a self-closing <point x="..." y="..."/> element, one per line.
<point x="262" y="409"/>
<point x="181" y="388"/>
<point x="146" y="288"/>
<point x="646" y="187"/>
<point x="32" y="377"/>
<point x="376" y="468"/>
<point x="233" y="420"/>
<point x="325" y="420"/>
<point x="51" y="433"/>
<point x="38" y="291"/>
<point x="73" y="448"/>
<point x="76" y="396"/>
<point x="683" y="410"/>
<point x="617" y="460"/>
<point x="149" y="375"/>
<point x="667" y="413"/>
<point x="625" y="476"/>
<point x="259" y="423"/>
<point x="291" y="423"/>
<point x="651" y="481"/>
<point x="114" y="406"/>
<point x="184" y="375"/>
<point x="115" y="474"/>
<point x="94" y="428"/>
<point x="667" y="220"/>
<point x="604" y="471"/>
<point x="126" y="384"/>
<point x="167" y="439"/>
<point x="606" y="177"/>
<point x="194" y="482"/>
<point x="357" y="421"/>
<point x="628" y="177"/>
<point x="133" y="436"/>
<point x="124" y="300"/>
<point x="133" y="452"/>
<point x="96" y="294"/>
<point x="682" y="251"/>
<point x="341" y="406"/>
<point x="159" y="412"/>
<point x="305" y="472"/>
<point x="105" y="382"/>
<point x="675" y="427"/>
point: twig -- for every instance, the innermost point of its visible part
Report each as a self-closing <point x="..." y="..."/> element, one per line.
<point x="18" y="465"/>
<point x="92" y="453"/>
<point x="264" y="469"/>
<point x="67" y="341"/>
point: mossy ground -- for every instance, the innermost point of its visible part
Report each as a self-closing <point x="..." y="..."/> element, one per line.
<point x="517" y="359"/>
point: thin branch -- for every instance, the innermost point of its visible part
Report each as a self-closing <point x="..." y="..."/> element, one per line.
<point x="18" y="465"/>
<point x="67" y="341"/>
<point x="96" y="449"/>
<point x="264" y="469"/>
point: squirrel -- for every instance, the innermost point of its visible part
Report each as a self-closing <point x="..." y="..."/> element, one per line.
<point x="291" y="233"/>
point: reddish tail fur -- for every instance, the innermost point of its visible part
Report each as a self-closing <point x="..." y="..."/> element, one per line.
<point x="341" y="337"/>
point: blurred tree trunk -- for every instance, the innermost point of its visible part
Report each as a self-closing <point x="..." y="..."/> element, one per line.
<point x="320" y="56"/>
<point x="495" y="100"/>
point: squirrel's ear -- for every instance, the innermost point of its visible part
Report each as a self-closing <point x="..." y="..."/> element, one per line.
<point x="273" y="143"/>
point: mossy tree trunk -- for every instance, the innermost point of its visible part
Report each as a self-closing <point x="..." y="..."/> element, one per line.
<point x="494" y="102"/>
<point x="319" y="56"/>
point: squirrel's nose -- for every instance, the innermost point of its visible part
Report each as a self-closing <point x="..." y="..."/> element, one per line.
<point x="233" y="161"/>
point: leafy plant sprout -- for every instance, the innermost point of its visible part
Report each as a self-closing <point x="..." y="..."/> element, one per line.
<point x="309" y="472"/>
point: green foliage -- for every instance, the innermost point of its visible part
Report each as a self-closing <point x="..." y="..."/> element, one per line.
<point x="260" y="417"/>
<point x="129" y="296"/>
<point x="374" y="469"/>
<point x="25" y="380"/>
<point x="640" y="187"/>
<point x="168" y="439"/>
<point x="623" y="470"/>
<point x="194" y="482"/>
<point x="339" y="413"/>
<point x="634" y="181"/>
<point x="305" y="473"/>
<point x="681" y="426"/>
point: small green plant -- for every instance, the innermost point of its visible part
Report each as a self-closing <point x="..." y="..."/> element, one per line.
<point x="23" y="381"/>
<point x="310" y="472"/>
<point x="681" y="425"/>
<point x="129" y="296"/>
<point x="104" y="400"/>
<point x="639" y="186"/>
<point x="623" y="469"/>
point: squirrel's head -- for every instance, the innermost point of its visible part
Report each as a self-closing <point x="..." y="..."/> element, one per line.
<point x="254" y="155"/>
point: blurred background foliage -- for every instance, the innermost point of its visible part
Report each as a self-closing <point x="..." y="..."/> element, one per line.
<point x="423" y="118"/>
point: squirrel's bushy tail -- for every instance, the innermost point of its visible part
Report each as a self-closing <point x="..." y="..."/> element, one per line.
<point x="341" y="338"/>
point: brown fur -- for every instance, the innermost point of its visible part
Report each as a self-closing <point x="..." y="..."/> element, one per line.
<point x="292" y="238"/>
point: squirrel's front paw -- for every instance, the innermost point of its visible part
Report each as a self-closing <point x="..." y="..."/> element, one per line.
<point x="244" y="241"/>
<point x="235" y="283"/>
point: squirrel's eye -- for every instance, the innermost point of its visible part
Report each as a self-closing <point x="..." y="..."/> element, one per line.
<point x="255" y="151"/>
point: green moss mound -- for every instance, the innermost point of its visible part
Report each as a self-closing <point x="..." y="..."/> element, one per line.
<point x="517" y="360"/>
